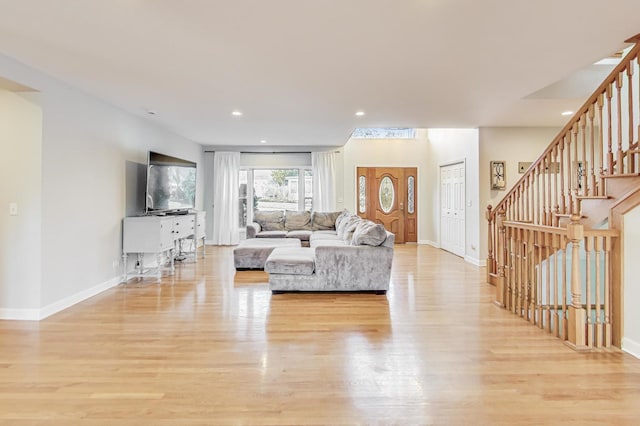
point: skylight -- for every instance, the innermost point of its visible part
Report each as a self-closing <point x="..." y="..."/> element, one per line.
<point x="384" y="133"/>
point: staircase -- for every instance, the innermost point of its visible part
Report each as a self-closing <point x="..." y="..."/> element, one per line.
<point x="554" y="250"/>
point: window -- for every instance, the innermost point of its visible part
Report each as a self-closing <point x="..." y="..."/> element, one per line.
<point x="268" y="189"/>
<point x="384" y="133"/>
<point x="308" y="190"/>
<point x="243" y="196"/>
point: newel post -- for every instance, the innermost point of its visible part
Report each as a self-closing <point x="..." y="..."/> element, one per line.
<point x="501" y="257"/>
<point x="577" y="314"/>
<point x="491" y="267"/>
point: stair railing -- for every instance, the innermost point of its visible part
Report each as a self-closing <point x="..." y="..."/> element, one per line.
<point x="600" y="140"/>
<point x="558" y="279"/>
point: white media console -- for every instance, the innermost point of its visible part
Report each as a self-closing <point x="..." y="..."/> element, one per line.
<point x="163" y="236"/>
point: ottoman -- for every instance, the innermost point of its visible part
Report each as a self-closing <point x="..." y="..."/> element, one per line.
<point x="253" y="252"/>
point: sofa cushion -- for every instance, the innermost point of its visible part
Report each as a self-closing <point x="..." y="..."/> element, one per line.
<point x="298" y="221"/>
<point x="271" y="234"/>
<point x="301" y="235"/>
<point x="296" y="261"/>
<point x="345" y="223"/>
<point x="324" y="221"/>
<point x="330" y="243"/>
<point x="319" y="235"/>
<point x="270" y="221"/>
<point x="369" y="233"/>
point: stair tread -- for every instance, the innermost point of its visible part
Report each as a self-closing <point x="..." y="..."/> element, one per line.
<point x="623" y="175"/>
<point x="593" y="197"/>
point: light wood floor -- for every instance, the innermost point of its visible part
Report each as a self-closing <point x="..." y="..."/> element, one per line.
<point x="210" y="347"/>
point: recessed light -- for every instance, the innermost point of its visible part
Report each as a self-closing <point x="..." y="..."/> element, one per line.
<point x="151" y="112"/>
<point x="359" y="113"/>
<point x="236" y="113"/>
<point x="263" y="141"/>
<point x="567" y="112"/>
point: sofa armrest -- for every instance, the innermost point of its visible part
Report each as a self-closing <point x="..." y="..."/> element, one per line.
<point x="253" y="229"/>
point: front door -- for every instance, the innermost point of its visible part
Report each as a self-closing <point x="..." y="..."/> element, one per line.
<point x="388" y="195"/>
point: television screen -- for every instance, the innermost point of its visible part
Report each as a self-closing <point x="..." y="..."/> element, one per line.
<point x="171" y="183"/>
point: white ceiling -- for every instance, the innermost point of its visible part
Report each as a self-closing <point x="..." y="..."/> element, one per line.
<point x="299" y="69"/>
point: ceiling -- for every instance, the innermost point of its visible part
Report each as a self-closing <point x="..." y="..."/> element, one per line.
<point x="298" y="70"/>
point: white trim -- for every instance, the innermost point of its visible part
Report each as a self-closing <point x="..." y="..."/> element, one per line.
<point x="452" y="162"/>
<point x="475" y="261"/>
<point x="429" y="243"/>
<point x="67" y="302"/>
<point x="20" y="314"/>
<point x="631" y="347"/>
<point x="209" y="242"/>
<point x="55" y="307"/>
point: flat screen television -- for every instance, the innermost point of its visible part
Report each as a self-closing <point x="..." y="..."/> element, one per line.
<point x="171" y="184"/>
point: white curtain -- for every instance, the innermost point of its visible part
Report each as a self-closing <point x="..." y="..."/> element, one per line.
<point x="226" y="167"/>
<point x="324" y="181"/>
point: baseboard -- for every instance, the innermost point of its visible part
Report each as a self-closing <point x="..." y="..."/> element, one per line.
<point x="67" y="302"/>
<point x="429" y="243"/>
<point x="20" y="314"/>
<point x="55" y="307"/>
<point x="475" y="261"/>
<point x="209" y="243"/>
<point x="631" y="347"/>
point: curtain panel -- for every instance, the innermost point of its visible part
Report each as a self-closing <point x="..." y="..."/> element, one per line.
<point x="226" y="167"/>
<point x="324" y="181"/>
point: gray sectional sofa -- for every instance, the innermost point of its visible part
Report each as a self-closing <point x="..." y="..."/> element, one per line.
<point x="355" y="255"/>
<point x="287" y="224"/>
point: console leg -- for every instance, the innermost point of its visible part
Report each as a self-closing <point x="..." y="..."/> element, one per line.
<point x="125" y="256"/>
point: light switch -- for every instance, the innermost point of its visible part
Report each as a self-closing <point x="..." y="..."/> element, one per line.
<point x="13" y="209"/>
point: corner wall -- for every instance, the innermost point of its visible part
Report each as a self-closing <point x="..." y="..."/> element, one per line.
<point x="86" y="145"/>
<point x="513" y="145"/>
<point x="448" y="146"/>
<point x="631" y="291"/>
<point x="20" y="183"/>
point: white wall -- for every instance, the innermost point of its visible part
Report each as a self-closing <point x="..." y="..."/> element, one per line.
<point x="85" y="147"/>
<point x="384" y="153"/>
<point x="20" y="183"/>
<point x="513" y="145"/>
<point x="631" y="291"/>
<point x="447" y="146"/>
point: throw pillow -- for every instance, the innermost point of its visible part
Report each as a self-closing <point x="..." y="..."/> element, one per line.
<point x="350" y="229"/>
<point x="270" y="221"/>
<point x="344" y="223"/>
<point x="343" y="215"/>
<point x="369" y="233"/>
<point x="324" y="221"/>
<point x="298" y="221"/>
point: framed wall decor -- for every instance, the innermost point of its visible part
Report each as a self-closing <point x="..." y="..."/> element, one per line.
<point x="498" y="175"/>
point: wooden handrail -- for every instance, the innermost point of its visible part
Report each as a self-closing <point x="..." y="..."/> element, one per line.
<point x="574" y="121"/>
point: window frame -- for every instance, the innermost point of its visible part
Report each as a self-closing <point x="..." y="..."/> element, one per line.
<point x="301" y="186"/>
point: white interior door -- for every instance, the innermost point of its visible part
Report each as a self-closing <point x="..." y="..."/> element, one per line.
<point x="452" y="208"/>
